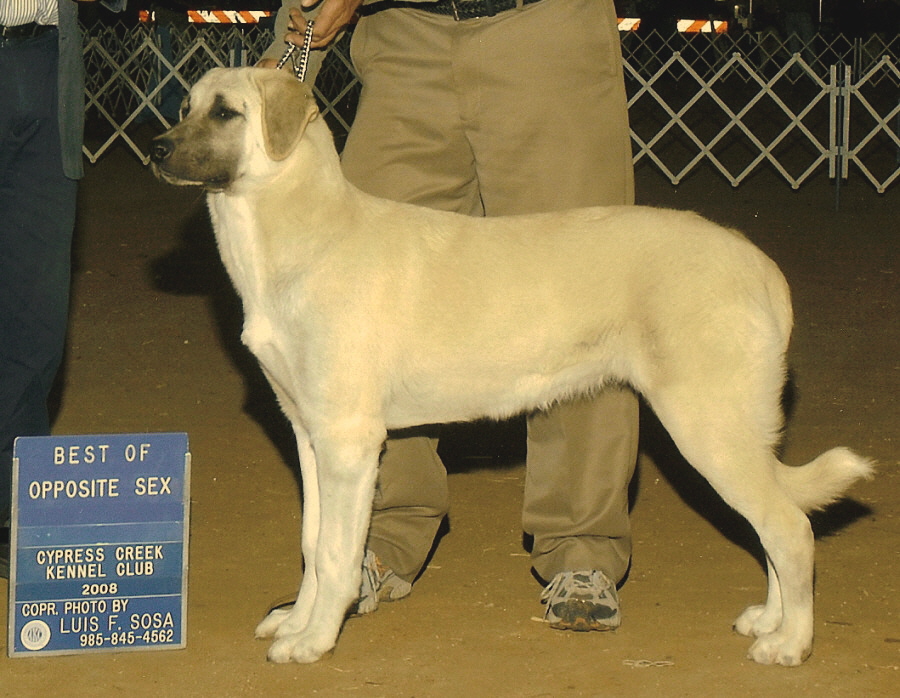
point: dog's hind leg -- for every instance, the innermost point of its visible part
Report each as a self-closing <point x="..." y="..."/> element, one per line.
<point x="346" y="467"/>
<point x="281" y="621"/>
<point x="758" y="620"/>
<point x="808" y="487"/>
<point x="727" y="436"/>
<point x="784" y="625"/>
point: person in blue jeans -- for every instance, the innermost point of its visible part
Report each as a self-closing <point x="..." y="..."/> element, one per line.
<point x="41" y="126"/>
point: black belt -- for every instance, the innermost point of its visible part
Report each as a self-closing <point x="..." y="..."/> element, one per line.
<point x="24" y="31"/>
<point x="468" y="9"/>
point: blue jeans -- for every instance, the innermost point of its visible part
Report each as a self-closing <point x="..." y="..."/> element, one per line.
<point x="37" y="216"/>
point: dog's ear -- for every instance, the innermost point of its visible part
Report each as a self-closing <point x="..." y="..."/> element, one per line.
<point x="288" y="106"/>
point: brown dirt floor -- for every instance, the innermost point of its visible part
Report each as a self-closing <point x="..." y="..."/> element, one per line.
<point x="154" y="347"/>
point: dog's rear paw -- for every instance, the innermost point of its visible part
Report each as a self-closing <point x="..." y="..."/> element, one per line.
<point x="756" y="622"/>
<point x="270" y="624"/>
<point x="300" y="648"/>
<point x="774" y="648"/>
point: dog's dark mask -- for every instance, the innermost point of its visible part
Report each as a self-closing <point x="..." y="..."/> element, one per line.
<point x="204" y="148"/>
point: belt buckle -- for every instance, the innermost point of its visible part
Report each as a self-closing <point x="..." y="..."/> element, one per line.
<point x="19" y="31"/>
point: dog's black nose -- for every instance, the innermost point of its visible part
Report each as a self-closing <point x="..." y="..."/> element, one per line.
<point x="160" y="149"/>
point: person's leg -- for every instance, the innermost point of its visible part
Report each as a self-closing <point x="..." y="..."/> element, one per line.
<point x="581" y="459"/>
<point x="37" y="215"/>
<point x="550" y="131"/>
<point x="411" y="501"/>
<point x="406" y="144"/>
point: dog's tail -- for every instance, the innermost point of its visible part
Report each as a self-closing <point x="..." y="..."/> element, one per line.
<point x="823" y="480"/>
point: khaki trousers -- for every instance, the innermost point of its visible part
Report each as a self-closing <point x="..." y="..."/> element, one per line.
<point x="522" y="112"/>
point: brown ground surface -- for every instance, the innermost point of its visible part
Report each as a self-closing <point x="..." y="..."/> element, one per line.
<point x="154" y="347"/>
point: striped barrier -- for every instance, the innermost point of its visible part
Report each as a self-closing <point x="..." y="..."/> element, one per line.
<point x="702" y="26"/>
<point x="626" y="24"/>
<point x="685" y="26"/>
<point x="227" y="16"/>
<point x="216" y="16"/>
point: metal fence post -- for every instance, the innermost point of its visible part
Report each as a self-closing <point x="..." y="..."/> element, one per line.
<point x="838" y="136"/>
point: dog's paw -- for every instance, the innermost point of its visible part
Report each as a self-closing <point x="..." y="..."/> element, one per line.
<point x="755" y="621"/>
<point x="270" y="624"/>
<point x="775" y="648"/>
<point x="302" y="648"/>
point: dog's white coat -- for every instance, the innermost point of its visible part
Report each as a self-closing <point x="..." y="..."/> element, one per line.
<point x="368" y="315"/>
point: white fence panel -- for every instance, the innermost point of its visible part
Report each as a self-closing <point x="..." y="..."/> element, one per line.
<point x="736" y="104"/>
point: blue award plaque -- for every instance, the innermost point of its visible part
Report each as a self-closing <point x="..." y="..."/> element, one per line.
<point x="99" y="544"/>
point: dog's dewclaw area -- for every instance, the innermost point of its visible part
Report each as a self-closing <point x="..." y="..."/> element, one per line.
<point x="154" y="346"/>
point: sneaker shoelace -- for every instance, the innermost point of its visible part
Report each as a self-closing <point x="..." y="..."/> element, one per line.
<point x="576" y="582"/>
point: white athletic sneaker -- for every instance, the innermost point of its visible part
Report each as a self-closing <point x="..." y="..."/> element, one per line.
<point x="379" y="583"/>
<point x="581" y="600"/>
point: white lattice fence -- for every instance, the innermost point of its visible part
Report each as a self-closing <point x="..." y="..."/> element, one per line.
<point x="136" y="75"/>
<point x="737" y="105"/>
<point x="872" y="123"/>
<point x="734" y="118"/>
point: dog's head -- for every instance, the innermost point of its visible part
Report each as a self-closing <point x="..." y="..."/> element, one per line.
<point x="235" y="124"/>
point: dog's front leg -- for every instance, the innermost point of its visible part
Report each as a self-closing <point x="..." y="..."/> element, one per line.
<point x="346" y="468"/>
<point x="286" y="621"/>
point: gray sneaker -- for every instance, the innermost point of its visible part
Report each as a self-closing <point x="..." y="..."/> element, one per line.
<point x="379" y="583"/>
<point x="582" y="600"/>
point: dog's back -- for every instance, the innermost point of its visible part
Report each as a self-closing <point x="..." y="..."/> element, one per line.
<point x="496" y="314"/>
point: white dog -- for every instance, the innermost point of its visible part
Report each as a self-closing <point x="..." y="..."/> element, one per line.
<point x="368" y="315"/>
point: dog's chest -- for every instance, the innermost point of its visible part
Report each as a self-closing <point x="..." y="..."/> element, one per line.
<point x="237" y="237"/>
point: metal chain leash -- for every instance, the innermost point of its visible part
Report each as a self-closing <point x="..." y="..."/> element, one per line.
<point x="298" y="64"/>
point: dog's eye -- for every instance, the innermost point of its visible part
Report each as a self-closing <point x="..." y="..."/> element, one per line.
<point x="224" y="113"/>
<point x="185" y="108"/>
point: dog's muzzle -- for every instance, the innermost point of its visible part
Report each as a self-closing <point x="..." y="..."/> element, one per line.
<point x="188" y="169"/>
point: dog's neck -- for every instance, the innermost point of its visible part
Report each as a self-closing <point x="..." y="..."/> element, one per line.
<point x="308" y="188"/>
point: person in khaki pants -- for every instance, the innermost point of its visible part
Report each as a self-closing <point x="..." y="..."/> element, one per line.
<point x="491" y="108"/>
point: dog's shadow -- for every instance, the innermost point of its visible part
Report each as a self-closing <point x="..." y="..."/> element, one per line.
<point x="195" y="268"/>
